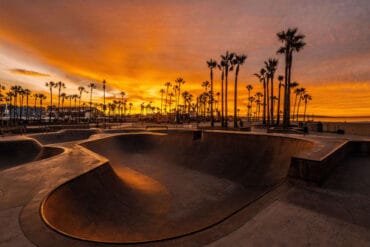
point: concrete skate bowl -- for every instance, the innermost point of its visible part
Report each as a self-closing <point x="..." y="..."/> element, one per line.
<point x="22" y="151"/>
<point x="67" y="135"/>
<point x="159" y="187"/>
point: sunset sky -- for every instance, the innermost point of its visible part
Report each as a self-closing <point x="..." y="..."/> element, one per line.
<point x="139" y="45"/>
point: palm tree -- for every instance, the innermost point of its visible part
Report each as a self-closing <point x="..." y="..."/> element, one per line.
<point x="280" y="79"/>
<point x="50" y="85"/>
<point x="179" y="82"/>
<point x="27" y="93"/>
<point x="15" y="92"/>
<point x="302" y="91"/>
<point x="249" y="88"/>
<point x="130" y="107"/>
<point x="227" y="58"/>
<point x="250" y="104"/>
<point x="35" y="95"/>
<point x="63" y="96"/>
<point x="59" y="85"/>
<point x="258" y="102"/>
<point x="162" y="91"/>
<point x="296" y="91"/>
<point x="22" y="94"/>
<point x="306" y="98"/>
<point x="167" y="85"/>
<point x="81" y="90"/>
<point x="211" y="65"/>
<point x="271" y="66"/>
<point x="262" y="78"/>
<point x="92" y="86"/>
<point x="237" y="61"/>
<point x="104" y="105"/>
<point x="41" y="98"/>
<point x="170" y="100"/>
<point x="292" y="42"/>
<point x="221" y="67"/>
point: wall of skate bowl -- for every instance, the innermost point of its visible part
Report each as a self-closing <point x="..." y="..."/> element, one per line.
<point x="252" y="160"/>
<point x="67" y="135"/>
<point x="232" y="170"/>
<point x="21" y="151"/>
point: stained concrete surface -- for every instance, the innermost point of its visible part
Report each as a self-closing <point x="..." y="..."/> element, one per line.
<point x="299" y="215"/>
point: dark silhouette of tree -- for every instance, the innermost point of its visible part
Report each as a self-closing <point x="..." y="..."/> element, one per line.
<point x="262" y="78"/>
<point x="27" y="94"/>
<point x="167" y="85"/>
<point x="51" y="85"/>
<point x="237" y="62"/>
<point x="271" y="66"/>
<point x="92" y="86"/>
<point x="296" y="91"/>
<point x="292" y="42"/>
<point x="212" y="65"/>
<point x="41" y="98"/>
<point x="63" y="96"/>
<point x="81" y="90"/>
<point x="227" y="59"/>
<point x="280" y="79"/>
<point x="302" y="91"/>
<point x="59" y="85"/>
<point x="306" y="97"/>
<point x="221" y="67"/>
<point x="258" y="95"/>
<point x="162" y="91"/>
<point x="249" y="89"/>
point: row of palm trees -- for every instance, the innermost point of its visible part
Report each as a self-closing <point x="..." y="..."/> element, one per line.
<point x="17" y="101"/>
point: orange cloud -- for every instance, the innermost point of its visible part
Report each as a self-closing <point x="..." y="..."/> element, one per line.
<point x="28" y="72"/>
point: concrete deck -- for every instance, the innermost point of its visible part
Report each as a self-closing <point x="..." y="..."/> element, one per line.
<point x="337" y="213"/>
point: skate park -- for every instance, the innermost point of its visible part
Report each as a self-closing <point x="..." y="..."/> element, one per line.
<point x="184" y="187"/>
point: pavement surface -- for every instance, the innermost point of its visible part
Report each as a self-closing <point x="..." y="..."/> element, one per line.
<point x="140" y="188"/>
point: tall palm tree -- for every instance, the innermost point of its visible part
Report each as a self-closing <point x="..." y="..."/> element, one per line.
<point x="221" y="67"/>
<point x="296" y="92"/>
<point x="227" y="59"/>
<point x="280" y="79"/>
<point x="104" y="105"/>
<point x="167" y="85"/>
<point x="21" y="99"/>
<point x="211" y="65"/>
<point x="51" y="85"/>
<point x="306" y="98"/>
<point x="249" y="88"/>
<point x="81" y="90"/>
<point x="237" y="61"/>
<point x="170" y="100"/>
<point x="179" y="82"/>
<point x="162" y="91"/>
<point x="59" y="85"/>
<point x="262" y="78"/>
<point x="15" y="92"/>
<point x="41" y="98"/>
<point x="258" y="102"/>
<point x="271" y="66"/>
<point x="292" y="42"/>
<point x="302" y="91"/>
<point x="27" y="93"/>
<point x="92" y="86"/>
<point x="35" y="95"/>
<point x="130" y="105"/>
<point x="63" y="96"/>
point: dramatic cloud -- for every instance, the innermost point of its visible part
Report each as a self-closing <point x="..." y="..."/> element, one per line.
<point x="27" y="72"/>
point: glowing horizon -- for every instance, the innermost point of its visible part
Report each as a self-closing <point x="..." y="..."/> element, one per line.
<point x="138" y="46"/>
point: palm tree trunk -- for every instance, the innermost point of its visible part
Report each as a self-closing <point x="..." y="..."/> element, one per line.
<point x="235" y="96"/>
<point x="268" y="101"/>
<point x="264" y="101"/>
<point x="226" y="92"/>
<point x="212" y="100"/>
<point x="272" y="98"/>
<point x="222" y="99"/>
<point x="286" y="89"/>
<point x="278" y="108"/>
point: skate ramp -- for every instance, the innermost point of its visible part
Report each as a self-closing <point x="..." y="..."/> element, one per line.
<point x="64" y="136"/>
<point x="159" y="186"/>
<point x="20" y="151"/>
